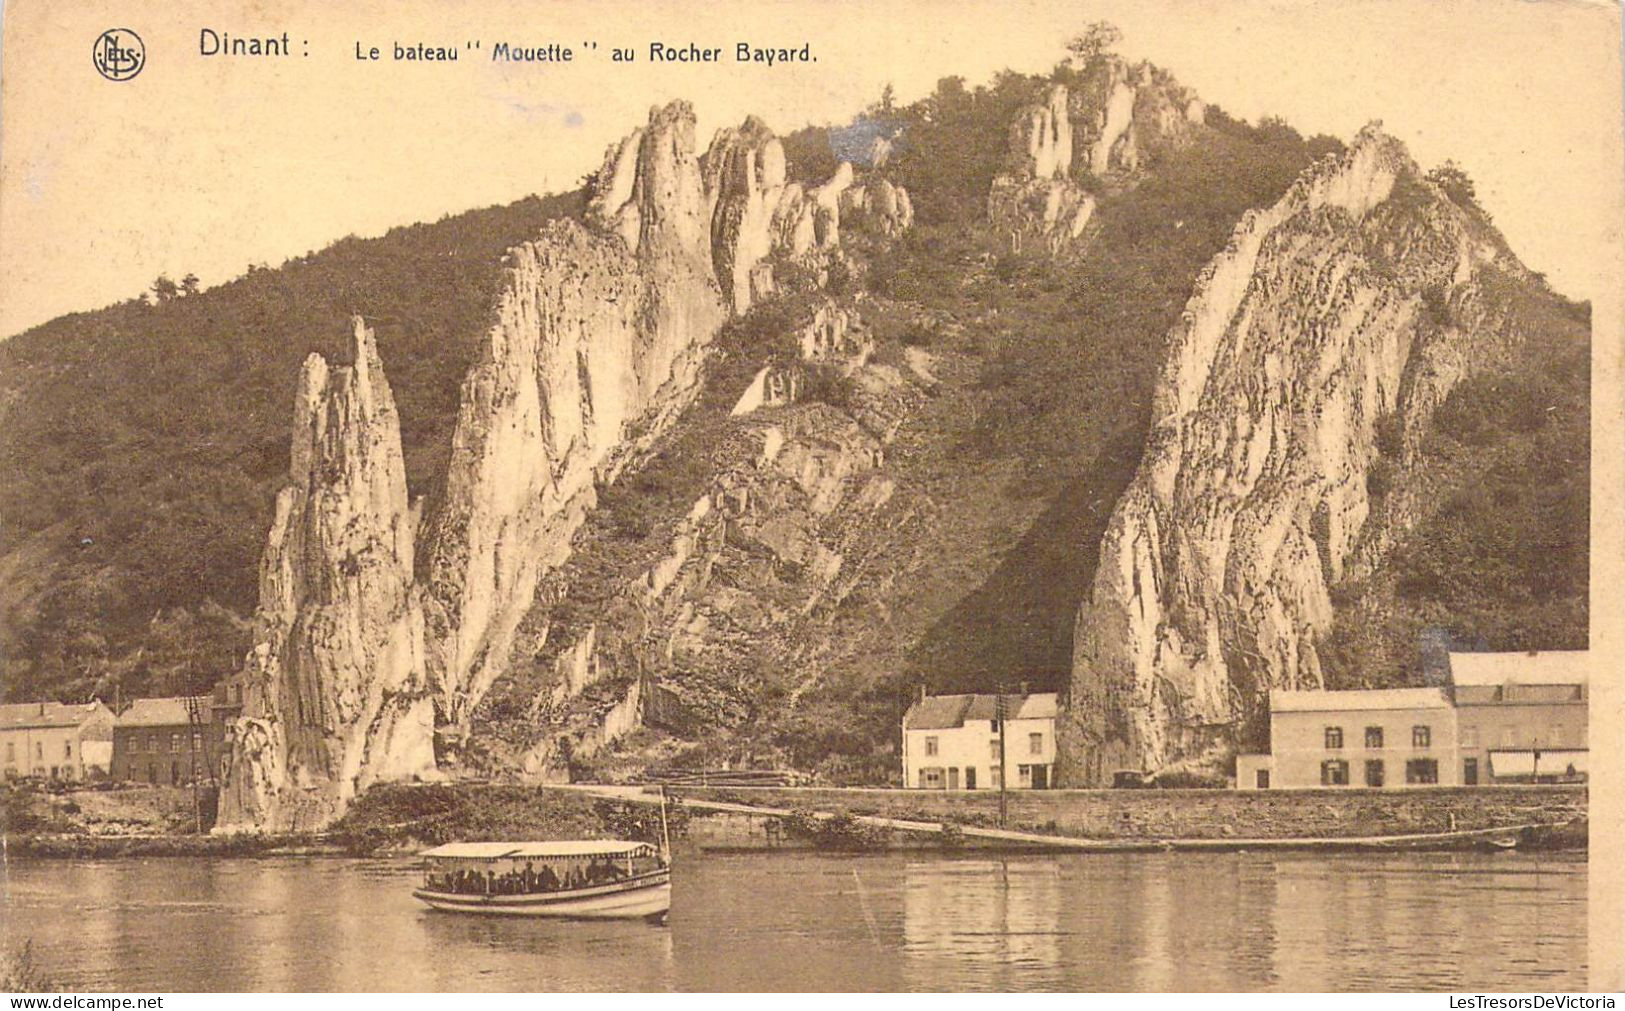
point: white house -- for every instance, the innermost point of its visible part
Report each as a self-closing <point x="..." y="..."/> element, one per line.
<point x="953" y="742"/>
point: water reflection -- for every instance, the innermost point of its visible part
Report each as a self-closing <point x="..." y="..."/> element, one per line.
<point x="1160" y="922"/>
<point x="800" y="921"/>
<point x="982" y="924"/>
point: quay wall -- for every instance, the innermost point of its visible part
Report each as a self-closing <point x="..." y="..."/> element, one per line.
<point x="1191" y="814"/>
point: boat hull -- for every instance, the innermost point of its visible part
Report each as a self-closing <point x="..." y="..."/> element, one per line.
<point x="647" y="898"/>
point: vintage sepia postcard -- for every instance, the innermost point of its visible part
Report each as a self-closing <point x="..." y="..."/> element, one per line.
<point x="1083" y="495"/>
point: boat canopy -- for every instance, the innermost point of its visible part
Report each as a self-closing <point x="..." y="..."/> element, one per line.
<point x="538" y="850"/>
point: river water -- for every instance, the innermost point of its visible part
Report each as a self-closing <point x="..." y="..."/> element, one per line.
<point x="798" y="921"/>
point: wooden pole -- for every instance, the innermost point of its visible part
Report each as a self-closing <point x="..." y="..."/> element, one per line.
<point x="665" y="834"/>
<point x="1004" y="756"/>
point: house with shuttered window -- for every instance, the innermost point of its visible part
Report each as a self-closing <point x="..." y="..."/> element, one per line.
<point x="960" y="742"/>
<point x="1504" y="718"/>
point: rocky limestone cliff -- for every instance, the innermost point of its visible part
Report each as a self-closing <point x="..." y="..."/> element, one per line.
<point x="879" y="206"/>
<point x="1095" y="131"/>
<point x="1303" y="336"/>
<point x="796" y="481"/>
<point x="1036" y="204"/>
<point x="595" y="347"/>
<point x="1123" y="111"/>
<point x="757" y="213"/>
<point x="334" y="691"/>
<point x="600" y="328"/>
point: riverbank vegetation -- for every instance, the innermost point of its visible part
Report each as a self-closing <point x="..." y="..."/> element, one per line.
<point x="399" y="817"/>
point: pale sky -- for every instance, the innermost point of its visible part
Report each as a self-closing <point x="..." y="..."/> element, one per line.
<point x="208" y="164"/>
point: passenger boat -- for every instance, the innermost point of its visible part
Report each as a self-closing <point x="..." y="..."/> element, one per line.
<point x="604" y="879"/>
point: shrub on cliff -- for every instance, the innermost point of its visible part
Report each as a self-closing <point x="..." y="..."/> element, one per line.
<point x="840" y="831"/>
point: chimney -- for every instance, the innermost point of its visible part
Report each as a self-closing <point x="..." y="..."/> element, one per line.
<point x="922" y="691"/>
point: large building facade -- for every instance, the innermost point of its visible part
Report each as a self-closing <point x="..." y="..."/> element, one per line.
<point x="1505" y="718"/>
<point x="1521" y="717"/>
<point x="174" y="741"/>
<point x="50" y="740"/>
<point x="959" y="742"/>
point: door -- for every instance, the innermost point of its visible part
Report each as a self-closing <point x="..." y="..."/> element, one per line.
<point x="953" y="777"/>
<point x="1040" y="777"/>
<point x="970" y="778"/>
<point x="1262" y="779"/>
<point x="1469" y="772"/>
<point x="1373" y="772"/>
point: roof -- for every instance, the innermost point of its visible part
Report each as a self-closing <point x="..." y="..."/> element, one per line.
<point x="1038" y="707"/>
<point x="1546" y="667"/>
<point x="162" y="712"/>
<point x="558" y="848"/>
<point x="20" y="715"/>
<point x="946" y="712"/>
<point x="1283" y="701"/>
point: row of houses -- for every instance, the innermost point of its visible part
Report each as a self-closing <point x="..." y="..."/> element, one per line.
<point x="167" y="741"/>
<point x="1503" y="718"/>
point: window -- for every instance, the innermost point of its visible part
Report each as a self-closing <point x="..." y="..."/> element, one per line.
<point x="995" y="777"/>
<point x="1421" y="737"/>
<point x="39" y="751"/>
<point x="1374" y="773"/>
<point x="197" y="740"/>
<point x="152" y="743"/>
<point x="1373" y="737"/>
<point x="1334" y="738"/>
<point x="1334" y="772"/>
<point x="1035" y="744"/>
<point x="1024" y="775"/>
<point x="1509" y="737"/>
<point x="11" y="751"/>
<point x="67" y="749"/>
<point x="1261" y="779"/>
<point x="993" y="725"/>
<point x="1469" y="737"/>
<point x="1422" y="771"/>
<point x="993" y="750"/>
<point x="930" y="745"/>
<point x="174" y="743"/>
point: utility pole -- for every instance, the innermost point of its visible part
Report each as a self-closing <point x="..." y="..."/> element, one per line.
<point x="194" y="725"/>
<point x="1004" y="765"/>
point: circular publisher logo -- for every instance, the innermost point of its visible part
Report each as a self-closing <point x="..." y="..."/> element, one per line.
<point x="119" y="54"/>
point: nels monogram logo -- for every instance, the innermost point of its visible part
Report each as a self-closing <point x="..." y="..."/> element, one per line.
<point x="119" y="54"/>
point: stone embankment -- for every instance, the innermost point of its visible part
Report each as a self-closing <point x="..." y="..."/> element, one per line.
<point x="741" y="817"/>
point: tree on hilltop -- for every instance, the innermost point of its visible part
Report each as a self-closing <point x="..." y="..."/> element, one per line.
<point x="1097" y="40"/>
<point x="1456" y="183"/>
